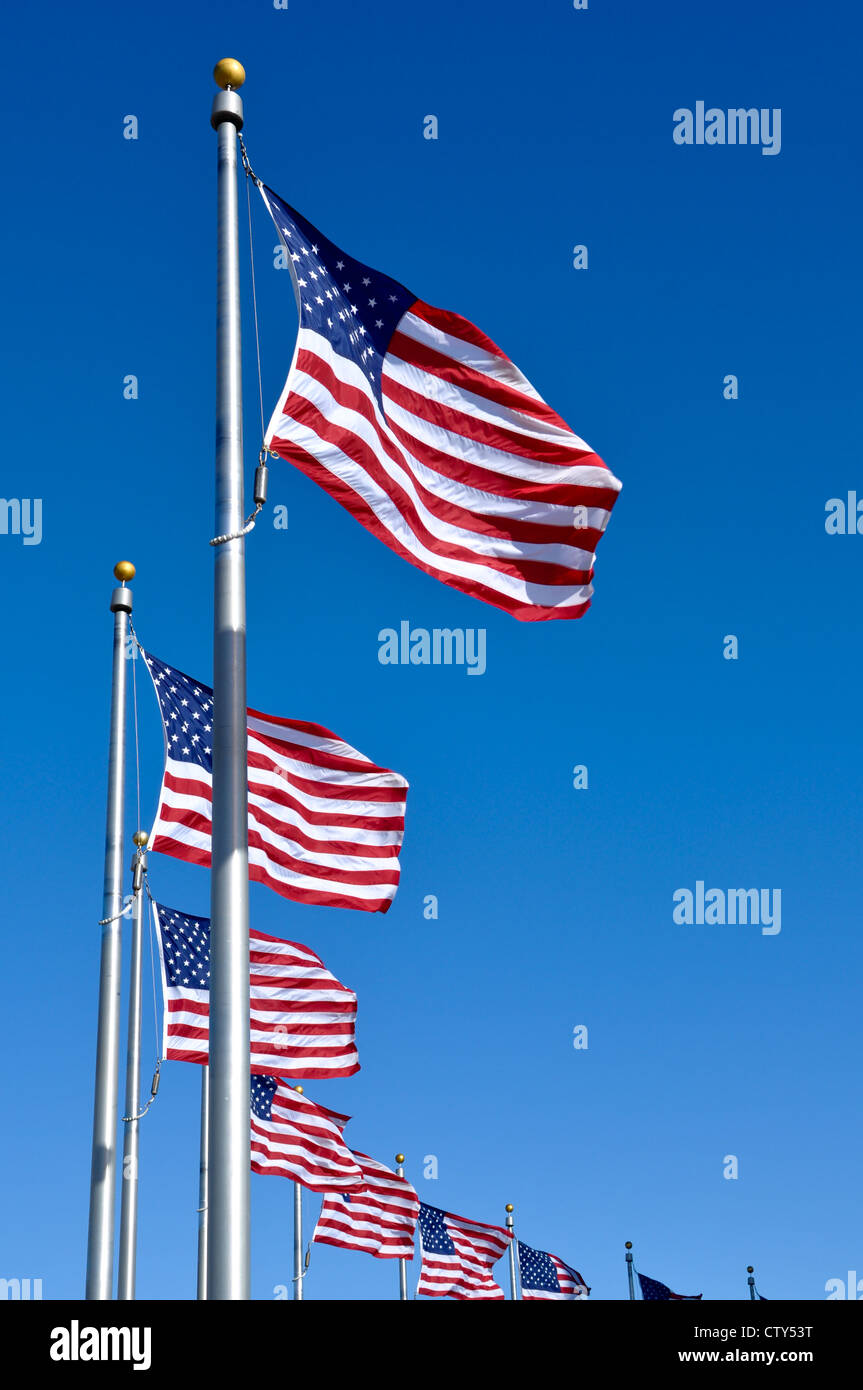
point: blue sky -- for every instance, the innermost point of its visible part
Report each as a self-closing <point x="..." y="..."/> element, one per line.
<point x="555" y="129"/>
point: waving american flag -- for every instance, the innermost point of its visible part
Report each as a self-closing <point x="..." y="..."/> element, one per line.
<point x="325" y="824"/>
<point x="425" y="431"/>
<point x="458" y="1254"/>
<point x="303" y="1019"/>
<point x="292" y="1137"/>
<point x="379" y="1217"/>
<point x="545" y="1276"/>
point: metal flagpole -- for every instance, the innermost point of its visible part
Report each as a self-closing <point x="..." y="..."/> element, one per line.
<point x="100" y="1237"/>
<point x="751" y="1282"/>
<point x="629" y="1269"/>
<point x="203" y="1183"/>
<point x="298" y="1242"/>
<point x="228" y="1227"/>
<point x="131" y="1135"/>
<point x="403" y="1264"/>
<point x="298" y="1233"/>
<point x="513" y="1277"/>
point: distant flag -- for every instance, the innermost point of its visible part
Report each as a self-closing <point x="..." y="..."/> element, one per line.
<point x="303" y="1020"/>
<point x="325" y="823"/>
<point x="422" y="428"/>
<point x="457" y="1255"/>
<point x="546" y="1276"/>
<point x="379" y="1217"/>
<point x="294" y="1138"/>
<point x="652" y="1289"/>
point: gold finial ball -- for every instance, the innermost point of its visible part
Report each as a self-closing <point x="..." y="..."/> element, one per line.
<point x="229" y="73"/>
<point x="400" y="1158"/>
<point x="510" y="1207"/>
<point x="140" y="838"/>
<point x="750" y="1269"/>
<point x="124" y="571"/>
<point x="629" y="1245"/>
<point x="299" y="1090"/>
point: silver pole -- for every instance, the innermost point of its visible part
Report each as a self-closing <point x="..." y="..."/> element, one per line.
<point x="203" y="1183"/>
<point x="513" y="1277"/>
<point x="103" y="1168"/>
<point x="298" y="1242"/>
<point x="131" y="1135"/>
<point x="228" y="1255"/>
<point x="751" y="1281"/>
<point x="629" y="1269"/>
<point x="403" y="1264"/>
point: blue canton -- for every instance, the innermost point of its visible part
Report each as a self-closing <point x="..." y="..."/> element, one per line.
<point x="435" y="1236"/>
<point x="355" y="307"/>
<point x="185" y="948"/>
<point x="263" y="1091"/>
<point x="187" y="714"/>
<point x="537" y="1270"/>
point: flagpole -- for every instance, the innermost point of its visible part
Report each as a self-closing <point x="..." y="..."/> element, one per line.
<point x="513" y="1277"/>
<point x="403" y="1264"/>
<point x="203" y="1183"/>
<point x="629" y="1269"/>
<point x="751" y="1281"/>
<point x="228" y="1256"/>
<point x="298" y="1233"/>
<point x="100" y="1236"/>
<point x="131" y="1137"/>
<point x="298" y="1242"/>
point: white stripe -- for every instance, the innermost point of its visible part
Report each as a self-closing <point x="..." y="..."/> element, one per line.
<point x="468" y="354"/>
<point x="464" y="402"/>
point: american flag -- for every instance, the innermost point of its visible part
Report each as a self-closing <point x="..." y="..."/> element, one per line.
<point x="546" y="1276"/>
<point x="651" y="1288"/>
<point x="303" y="1020"/>
<point x="294" y="1138"/>
<point x="422" y="428"/>
<point x="379" y="1218"/>
<point x="457" y="1255"/>
<point x="325" y="824"/>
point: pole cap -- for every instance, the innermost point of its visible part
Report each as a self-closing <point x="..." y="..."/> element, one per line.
<point x="629" y="1245"/>
<point x="750" y="1269"/>
<point x="510" y="1207"/>
<point x="124" y="570"/>
<point x="228" y="72"/>
<point x="299" y="1090"/>
<point x="140" y="838"/>
<point x="400" y="1158"/>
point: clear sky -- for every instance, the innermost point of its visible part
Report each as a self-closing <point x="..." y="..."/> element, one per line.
<point x="555" y="904"/>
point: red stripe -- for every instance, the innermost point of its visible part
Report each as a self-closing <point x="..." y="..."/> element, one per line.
<point x="318" y="757"/>
<point x="456" y="326"/>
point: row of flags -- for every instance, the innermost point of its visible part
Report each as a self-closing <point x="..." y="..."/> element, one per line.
<point x="304" y="779"/>
<point x="425" y="431"/>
